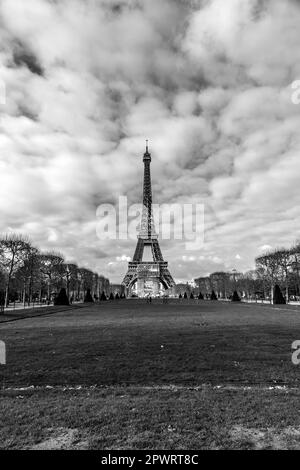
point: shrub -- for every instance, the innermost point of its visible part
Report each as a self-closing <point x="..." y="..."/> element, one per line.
<point x="278" y="297"/>
<point x="200" y="296"/>
<point x="213" y="296"/>
<point x="88" y="297"/>
<point x="62" y="298"/>
<point x="103" y="296"/>
<point x="235" y="297"/>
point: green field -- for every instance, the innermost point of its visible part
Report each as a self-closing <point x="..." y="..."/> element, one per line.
<point x="126" y="374"/>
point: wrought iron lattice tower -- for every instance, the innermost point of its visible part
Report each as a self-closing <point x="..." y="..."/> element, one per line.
<point x="147" y="275"/>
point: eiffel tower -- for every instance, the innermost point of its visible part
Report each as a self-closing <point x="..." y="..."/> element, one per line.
<point x="146" y="276"/>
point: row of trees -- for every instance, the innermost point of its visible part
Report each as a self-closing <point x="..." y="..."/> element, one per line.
<point x="29" y="275"/>
<point x="224" y="284"/>
<point x="279" y="267"/>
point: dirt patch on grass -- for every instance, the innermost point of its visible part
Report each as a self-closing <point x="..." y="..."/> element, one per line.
<point x="268" y="438"/>
<point x="62" y="439"/>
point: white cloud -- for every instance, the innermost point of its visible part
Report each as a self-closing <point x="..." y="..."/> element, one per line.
<point x="207" y="82"/>
<point x="265" y="248"/>
<point x="123" y="258"/>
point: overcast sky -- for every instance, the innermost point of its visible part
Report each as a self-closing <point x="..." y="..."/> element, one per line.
<point x="208" y="82"/>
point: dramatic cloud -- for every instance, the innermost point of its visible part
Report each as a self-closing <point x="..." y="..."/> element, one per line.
<point x="208" y="82"/>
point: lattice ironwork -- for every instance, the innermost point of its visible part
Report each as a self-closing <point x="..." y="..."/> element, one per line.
<point x="147" y="236"/>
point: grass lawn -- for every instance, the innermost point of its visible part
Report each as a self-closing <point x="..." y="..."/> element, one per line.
<point x="127" y="374"/>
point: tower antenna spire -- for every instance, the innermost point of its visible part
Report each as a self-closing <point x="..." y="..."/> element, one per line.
<point x="147" y="145"/>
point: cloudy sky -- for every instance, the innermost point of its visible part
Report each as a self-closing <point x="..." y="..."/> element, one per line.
<point x="207" y="81"/>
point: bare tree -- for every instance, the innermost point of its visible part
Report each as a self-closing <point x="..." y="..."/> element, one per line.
<point x="70" y="274"/>
<point x="51" y="268"/>
<point x="295" y="264"/>
<point x="103" y="285"/>
<point x="269" y="265"/>
<point x="14" y="249"/>
<point x="204" y="284"/>
<point x="87" y="279"/>
<point x="29" y="272"/>
<point x="221" y="283"/>
<point x="284" y="260"/>
<point x="95" y="289"/>
<point x="246" y="283"/>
